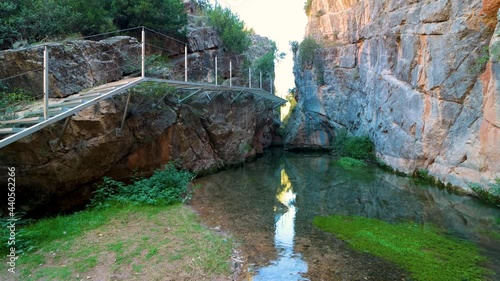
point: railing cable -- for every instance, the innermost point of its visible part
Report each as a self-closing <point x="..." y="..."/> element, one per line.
<point x="164" y="35"/>
<point x="21" y="74"/>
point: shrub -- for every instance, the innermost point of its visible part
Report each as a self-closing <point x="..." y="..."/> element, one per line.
<point x="360" y="148"/>
<point x="265" y="64"/>
<point x="307" y="49"/>
<point x="293" y="104"/>
<point x="348" y="162"/>
<point x="294" y="46"/>
<point x="492" y="195"/>
<point x="230" y="28"/>
<point x="11" y="101"/>
<point x="10" y="98"/>
<point x="164" y="187"/>
<point x="166" y="16"/>
<point x="91" y="16"/>
<point x="10" y="22"/>
<point x="307" y="7"/>
<point x="35" y="20"/>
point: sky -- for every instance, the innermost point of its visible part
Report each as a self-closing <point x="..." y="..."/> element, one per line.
<point x="281" y="21"/>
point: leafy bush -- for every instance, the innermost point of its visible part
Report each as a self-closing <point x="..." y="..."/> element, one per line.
<point x="348" y="162"/>
<point x="307" y="7"/>
<point x="307" y="49"/>
<point x="166" y="16"/>
<point x="11" y="101"/>
<point x="293" y="104"/>
<point x="294" y="46"/>
<point x="91" y="16"/>
<point x="265" y="63"/>
<point x="230" y="28"/>
<point x="164" y="187"/>
<point x="360" y="148"/>
<point x="10" y="98"/>
<point x="491" y="195"/>
<point x="10" y="22"/>
<point x="35" y="20"/>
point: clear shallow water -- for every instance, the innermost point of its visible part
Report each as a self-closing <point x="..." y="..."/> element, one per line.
<point x="269" y="206"/>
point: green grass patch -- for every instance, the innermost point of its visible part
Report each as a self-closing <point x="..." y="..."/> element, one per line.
<point x="349" y="163"/>
<point x="117" y="239"/>
<point x="491" y="195"/>
<point x="129" y="228"/>
<point x="422" y="250"/>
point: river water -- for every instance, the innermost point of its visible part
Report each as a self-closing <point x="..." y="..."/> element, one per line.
<point x="268" y="206"/>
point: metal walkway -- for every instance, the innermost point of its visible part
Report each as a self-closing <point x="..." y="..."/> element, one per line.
<point x="53" y="110"/>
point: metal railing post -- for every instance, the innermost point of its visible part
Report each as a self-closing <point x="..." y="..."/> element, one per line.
<point x="215" y="70"/>
<point x="186" y="63"/>
<point x="260" y="79"/>
<point x="271" y="83"/>
<point x="230" y="73"/>
<point x="249" y="78"/>
<point x="143" y="55"/>
<point x="46" y="83"/>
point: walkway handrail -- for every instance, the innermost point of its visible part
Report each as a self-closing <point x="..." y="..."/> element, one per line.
<point x="88" y="37"/>
<point x="75" y="103"/>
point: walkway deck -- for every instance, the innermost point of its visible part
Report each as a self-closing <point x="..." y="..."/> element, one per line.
<point x="69" y="106"/>
<point x="54" y="110"/>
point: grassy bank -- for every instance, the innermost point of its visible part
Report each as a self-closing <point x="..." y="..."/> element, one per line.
<point x="426" y="253"/>
<point x="129" y="232"/>
<point x="125" y="242"/>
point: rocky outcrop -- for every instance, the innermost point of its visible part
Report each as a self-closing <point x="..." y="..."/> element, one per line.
<point x="74" y="65"/>
<point x="420" y="78"/>
<point x="204" y="133"/>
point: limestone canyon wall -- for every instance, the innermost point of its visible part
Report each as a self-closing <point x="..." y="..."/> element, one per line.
<point x="420" y="78"/>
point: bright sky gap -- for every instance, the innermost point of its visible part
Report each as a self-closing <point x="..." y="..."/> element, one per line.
<point x="281" y="21"/>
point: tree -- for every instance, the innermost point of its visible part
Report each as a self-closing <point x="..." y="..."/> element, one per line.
<point x="166" y="16"/>
<point x="90" y="16"/>
<point x="230" y="28"/>
<point x="10" y="22"/>
<point x="307" y="49"/>
<point x="266" y="63"/>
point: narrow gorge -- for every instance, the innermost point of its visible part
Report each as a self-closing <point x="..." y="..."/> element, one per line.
<point x="419" y="78"/>
<point x="152" y="140"/>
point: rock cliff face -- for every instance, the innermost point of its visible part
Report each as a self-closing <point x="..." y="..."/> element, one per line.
<point x="421" y="78"/>
<point x="74" y="65"/>
<point x="204" y="133"/>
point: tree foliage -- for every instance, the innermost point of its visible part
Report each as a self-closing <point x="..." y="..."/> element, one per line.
<point x="230" y="28"/>
<point x="166" y="16"/>
<point x="35" y="20"/>
<point x="266" y="63"/>
<point x="166" y="186"/>
<point x="307" y="7"/>
<point x="307" y="50"/>
<point x="10" y="21"/>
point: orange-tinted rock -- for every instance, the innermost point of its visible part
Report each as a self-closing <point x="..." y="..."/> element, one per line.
<point x="424" y="86"/>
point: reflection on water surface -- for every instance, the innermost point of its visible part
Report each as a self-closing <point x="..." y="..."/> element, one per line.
<point x="269" y="205"/>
